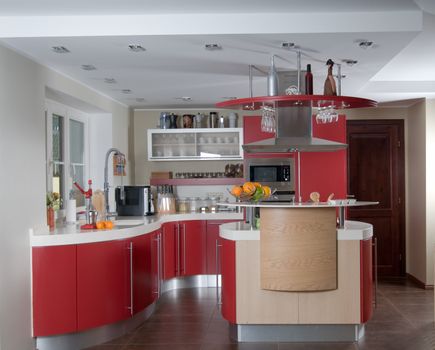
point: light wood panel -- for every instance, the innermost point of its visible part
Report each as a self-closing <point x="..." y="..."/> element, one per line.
<point x="341" y="306"/>
<point x="298" y="249"/>
<point x="255" y="305"/>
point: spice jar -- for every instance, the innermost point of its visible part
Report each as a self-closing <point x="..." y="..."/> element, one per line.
<point x="195" y="203"/>
<point x="183" y="205"/>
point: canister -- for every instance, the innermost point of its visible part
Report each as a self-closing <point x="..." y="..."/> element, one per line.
<point x="212" y="120"/>
<point x="221" y="122"/>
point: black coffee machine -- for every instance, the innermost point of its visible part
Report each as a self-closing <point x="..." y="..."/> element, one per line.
<point x="134" y="200"/>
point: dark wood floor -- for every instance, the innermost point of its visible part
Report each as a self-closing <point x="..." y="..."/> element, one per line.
<point x="188" y="319"/>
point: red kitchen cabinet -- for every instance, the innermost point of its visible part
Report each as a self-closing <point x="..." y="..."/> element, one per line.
<point x="170" y="249"/>
<point x="54" y="290"/>
<point x="366" y="280"/>
<point x="228" y="268"/>
<point x="103" y="283"/>
<point x="184" y="248"/>
<point x="212" y="237"/>
<point x="193" y="247"/>
<point x="146" y="272"/>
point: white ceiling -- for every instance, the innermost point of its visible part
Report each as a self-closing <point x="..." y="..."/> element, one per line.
<point x="175" y="63"/>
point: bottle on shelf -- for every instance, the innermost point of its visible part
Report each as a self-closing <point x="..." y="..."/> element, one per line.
<point x="330" y="88"/>
<point x="308" y="81"/>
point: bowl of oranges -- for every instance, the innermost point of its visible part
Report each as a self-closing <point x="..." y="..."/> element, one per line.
<point x="251" y="192"/>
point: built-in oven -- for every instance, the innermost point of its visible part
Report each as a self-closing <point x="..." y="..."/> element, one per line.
<point x="278" y="173"/>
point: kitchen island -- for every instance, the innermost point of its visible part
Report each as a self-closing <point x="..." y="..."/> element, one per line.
<point x="295" y="308"/>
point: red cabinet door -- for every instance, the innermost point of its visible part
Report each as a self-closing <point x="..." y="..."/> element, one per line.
<point x="170" y="255"/>
<point x="103" y="283"/>
<point x="192" y="246"/>
<point x="212" y="237"/>
<point x="142" y="274"/>
<point x="366" y="280"/>
<point x="228" y="268"/>
<point x="54" y="290"/>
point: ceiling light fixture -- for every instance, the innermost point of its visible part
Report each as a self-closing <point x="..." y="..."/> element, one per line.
<point x="365" y="44"/>
<point x="288" y="45"/>
<point x="60" y="49"/>
<point x="88" y="67"/>
<point x="212" y="47"/>
<point x="110" y="80"/>
<point x="349" y="62"/>
<point x="126" y="91"/>
<point x="184" y="98"/>
<point x="136" y="48"/>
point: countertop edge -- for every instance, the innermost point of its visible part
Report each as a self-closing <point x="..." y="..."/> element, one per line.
<point x="71" y="234"/>
<point x="355" y="231"/>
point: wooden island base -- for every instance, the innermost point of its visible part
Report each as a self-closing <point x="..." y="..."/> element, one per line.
<point x="298" y="249"/>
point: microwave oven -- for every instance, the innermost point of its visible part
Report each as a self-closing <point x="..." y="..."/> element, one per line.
<point x="277" y="173"/>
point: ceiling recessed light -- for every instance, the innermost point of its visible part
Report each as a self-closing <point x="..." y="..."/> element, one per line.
<point x="60" y="49"/>
<point x="349" y="62"/>
<point x="184" y="98"/>
<point x="126" y="91"/>
<point x="110" y="80"/>
<point x="136" y="48"/>
<point x="288" y="45"/>
<point x="365" y="44"/>
<point x="212" y="47"/>
<point x="88" y="67"/>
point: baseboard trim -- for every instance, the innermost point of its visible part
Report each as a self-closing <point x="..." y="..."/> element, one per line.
<point x="419" y="283"/>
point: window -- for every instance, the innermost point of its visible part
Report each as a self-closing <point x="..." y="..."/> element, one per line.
<point x="67" y="151"/>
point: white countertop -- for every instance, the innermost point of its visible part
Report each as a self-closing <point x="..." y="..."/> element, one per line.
<point x="125" y="227"/>
<point x="240" y="231"/>
<point x="332" y="203"/>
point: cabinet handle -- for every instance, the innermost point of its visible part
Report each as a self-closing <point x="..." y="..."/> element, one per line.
<point x="158" y="245"/>
<point x="184" y="247"/>
<point x="375" y="245"/>
<point x="218" y="299"/>
<point x="162" y="243"/>
<point x="178" y="250"/>
<point x="130" y="248"/>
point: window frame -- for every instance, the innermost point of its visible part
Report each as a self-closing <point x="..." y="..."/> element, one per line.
<point x="67" y="113"/>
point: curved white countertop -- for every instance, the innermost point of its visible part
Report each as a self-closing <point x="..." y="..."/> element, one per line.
<point x="125" y="227"/>
<point x="332" y="203"/>
<point x="240" y="231"/>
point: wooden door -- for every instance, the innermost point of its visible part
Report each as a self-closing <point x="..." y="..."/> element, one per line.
<point x="376" y="173"/>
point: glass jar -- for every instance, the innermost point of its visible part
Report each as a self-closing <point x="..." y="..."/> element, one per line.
<point x="195" y="203"/>
<point x="183" y="205"/>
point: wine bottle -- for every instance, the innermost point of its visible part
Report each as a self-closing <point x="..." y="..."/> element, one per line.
<point x="308" y="81"/>
<point x="330" y="88"/>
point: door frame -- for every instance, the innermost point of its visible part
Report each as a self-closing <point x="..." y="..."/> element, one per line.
<point x="400" y="204"/>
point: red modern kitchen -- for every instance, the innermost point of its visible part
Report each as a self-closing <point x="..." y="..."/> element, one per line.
<point x="218" y="188"/>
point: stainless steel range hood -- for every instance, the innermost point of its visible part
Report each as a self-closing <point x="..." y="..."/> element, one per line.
<point x="293" y="133"/>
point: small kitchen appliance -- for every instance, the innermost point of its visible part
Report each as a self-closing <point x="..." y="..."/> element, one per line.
<point x="277" y="173"/>
<point x="134" y="200"/>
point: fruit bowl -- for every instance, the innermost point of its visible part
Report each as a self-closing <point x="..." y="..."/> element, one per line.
<point x="251" y="192"/>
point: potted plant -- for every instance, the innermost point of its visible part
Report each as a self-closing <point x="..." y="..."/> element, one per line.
<point x="53" y="202"/>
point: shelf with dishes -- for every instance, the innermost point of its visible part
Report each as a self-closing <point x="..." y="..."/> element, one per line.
<point x="195" y="144"/>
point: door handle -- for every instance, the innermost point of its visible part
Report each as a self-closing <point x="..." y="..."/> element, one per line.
<point x="130" y="248"/>
<point x="184" y="247"/>
<point x="178" y="250"/>
<point x="218" y="246"/>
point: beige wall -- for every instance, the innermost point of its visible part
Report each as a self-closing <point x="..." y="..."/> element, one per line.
<point x="416" y="193"/>
<point x="430" y="188"/>
<point x="149" y="119"/>
<point x="22" y="155"/>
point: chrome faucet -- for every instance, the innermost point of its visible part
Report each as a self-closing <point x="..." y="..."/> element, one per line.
<point x="106" y="177"/>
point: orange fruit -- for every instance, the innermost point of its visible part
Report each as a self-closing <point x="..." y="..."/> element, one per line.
<point x="266" y="191"/>
<point x="249" y="188"/>
<point x="236" y="191"/>
<point x="108" y="224"/>
<point x="257" y="184"/>
<point x="100" y="225"/>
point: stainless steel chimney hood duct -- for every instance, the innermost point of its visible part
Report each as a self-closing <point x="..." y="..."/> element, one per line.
<point x="293" y="127"/>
